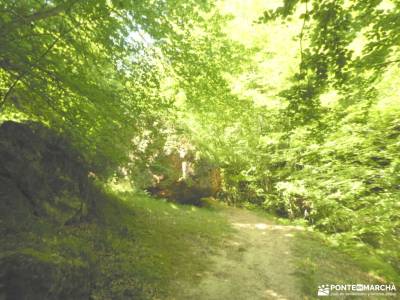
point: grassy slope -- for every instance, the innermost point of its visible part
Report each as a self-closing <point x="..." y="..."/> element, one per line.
<point x="166" y="242"/>
<point x="135" y="249"/>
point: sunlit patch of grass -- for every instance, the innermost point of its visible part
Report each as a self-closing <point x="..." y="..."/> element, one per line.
<point x="171" y="240"/>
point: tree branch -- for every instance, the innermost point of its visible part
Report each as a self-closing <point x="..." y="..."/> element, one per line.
<point x="23" y="74"/>
<point x="48" y="13"/>
<point x="386" y="63"/>
<point x="40" y="15"/>
<point x="302" y="35"/>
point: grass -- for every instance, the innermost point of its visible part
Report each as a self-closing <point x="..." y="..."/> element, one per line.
<point x="170" y="241"/>
<point x="318" y="262"/>
<point x="136" y="248"/>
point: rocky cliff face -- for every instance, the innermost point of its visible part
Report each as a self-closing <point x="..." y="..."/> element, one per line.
<point x="185" y="179"/>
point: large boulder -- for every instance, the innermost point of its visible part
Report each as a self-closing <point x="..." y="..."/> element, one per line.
<point x="185" y="179"/>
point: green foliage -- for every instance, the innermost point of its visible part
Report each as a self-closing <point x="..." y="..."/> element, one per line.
<point x="93" y="69"/>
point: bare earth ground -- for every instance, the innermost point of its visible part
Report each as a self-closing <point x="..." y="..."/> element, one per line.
<point x="254" y="263"/>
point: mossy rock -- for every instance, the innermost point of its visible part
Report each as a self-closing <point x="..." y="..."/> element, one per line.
<point x="41" y="172"/>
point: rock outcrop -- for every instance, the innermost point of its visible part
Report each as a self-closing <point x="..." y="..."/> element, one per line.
<point x="185" y="179"/>
<point x="42" y="175"/>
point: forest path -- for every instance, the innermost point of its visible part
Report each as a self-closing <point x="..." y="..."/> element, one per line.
<point x="255" y="262"/>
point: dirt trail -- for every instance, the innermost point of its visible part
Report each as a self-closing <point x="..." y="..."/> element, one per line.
<point x="255" y="263"/>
